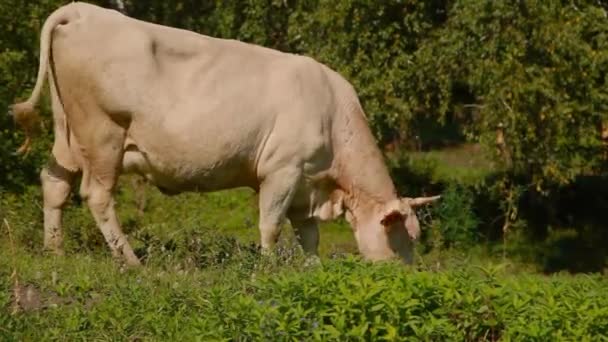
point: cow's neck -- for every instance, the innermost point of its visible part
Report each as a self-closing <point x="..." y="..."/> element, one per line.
<point x="360" y="168"/>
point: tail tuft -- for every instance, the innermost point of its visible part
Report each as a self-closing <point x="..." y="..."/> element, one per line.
<point x="28" y="119"/>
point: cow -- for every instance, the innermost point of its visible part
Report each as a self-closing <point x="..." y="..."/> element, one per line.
<point x="191" y="112"/>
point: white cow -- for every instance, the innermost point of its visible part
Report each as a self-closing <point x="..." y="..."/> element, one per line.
<point x="195" y="113"/>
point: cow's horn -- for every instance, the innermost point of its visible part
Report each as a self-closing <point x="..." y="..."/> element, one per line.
<point x="420" y="201"/>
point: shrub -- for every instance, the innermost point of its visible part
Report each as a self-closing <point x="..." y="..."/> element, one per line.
<point x="342" y="299"/>
<point x="458" y="224"/>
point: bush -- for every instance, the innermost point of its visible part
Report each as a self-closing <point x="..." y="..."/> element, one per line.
<point x="458" y="224"/>
<point x="452" y="222"/>
<point x="348" y="300"/>
<point x="340" y="300"/>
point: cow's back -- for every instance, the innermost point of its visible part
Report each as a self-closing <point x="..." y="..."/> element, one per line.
<point x="204" y="112"/>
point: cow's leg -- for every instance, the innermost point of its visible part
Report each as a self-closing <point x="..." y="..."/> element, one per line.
<point x="104" y="153"/>
<point x="307" y="233"/>
<point x="101" y="204"/>
<point x="56" y="187"/>
<point x="57" y="177"/>
<point x="276" y="193"/>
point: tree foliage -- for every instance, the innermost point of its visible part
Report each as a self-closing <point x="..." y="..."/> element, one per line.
<point x="536" y="70"/>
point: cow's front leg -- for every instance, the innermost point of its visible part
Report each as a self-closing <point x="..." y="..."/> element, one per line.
<point x="307" y="233"/>
<point x="276" y="193"/>
<point x="56" y="187"/>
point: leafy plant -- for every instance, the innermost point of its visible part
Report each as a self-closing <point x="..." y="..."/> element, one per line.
<point x="344" y="299"/>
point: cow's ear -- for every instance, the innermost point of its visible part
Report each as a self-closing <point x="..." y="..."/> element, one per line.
<point x="333" y="207"/>
<point x="391" y="217"/>
<point x="393" y="212"/>
<point x="337" y="201"/>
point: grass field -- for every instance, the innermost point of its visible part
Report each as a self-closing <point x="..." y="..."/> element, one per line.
<point x="245" y="297"/>
<point x="204" y="279"/>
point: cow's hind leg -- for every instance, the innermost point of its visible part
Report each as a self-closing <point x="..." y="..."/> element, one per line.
<point x="57" y="177"/>
<point x="276" y="193"/>
<point x="56" y="187"/>
<point x="103" y="153"/>
<point x="101" y="204"/>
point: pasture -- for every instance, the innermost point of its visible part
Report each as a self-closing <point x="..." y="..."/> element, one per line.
<point x="499" y="106"/>
<point x="205" y="279"/>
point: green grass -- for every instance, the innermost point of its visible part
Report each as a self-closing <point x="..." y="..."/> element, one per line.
<point x="86" y="296"/>
<point x="231" y="213"/>
<point x="150" y="217"/>
<point x="204" y="279"/>
<point x="463" y="164"/>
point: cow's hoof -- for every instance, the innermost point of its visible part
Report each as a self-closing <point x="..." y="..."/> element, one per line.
<point x="54" y="251"/>
<point x="133" y="262"/>
<point x="312" y="260"/>
<point x="266" y="251"/>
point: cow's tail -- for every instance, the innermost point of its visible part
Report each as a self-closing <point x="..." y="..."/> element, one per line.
<point x="24" y="113"/>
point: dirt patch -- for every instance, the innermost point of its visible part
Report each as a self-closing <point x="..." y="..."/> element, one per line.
<point x="27" y="297"/>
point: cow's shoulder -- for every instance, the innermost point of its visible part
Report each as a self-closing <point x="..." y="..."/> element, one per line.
<point x="302" y="71"/>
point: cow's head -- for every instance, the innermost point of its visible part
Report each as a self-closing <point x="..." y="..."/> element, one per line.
<point x="387" y="231"/>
